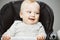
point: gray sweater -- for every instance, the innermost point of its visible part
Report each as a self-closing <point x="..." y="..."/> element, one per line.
<point x="20" y="29"/>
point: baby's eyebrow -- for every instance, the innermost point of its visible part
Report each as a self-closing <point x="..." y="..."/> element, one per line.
<point x="37" y="11"/>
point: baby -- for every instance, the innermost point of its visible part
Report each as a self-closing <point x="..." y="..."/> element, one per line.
<point x="29" y="26"/>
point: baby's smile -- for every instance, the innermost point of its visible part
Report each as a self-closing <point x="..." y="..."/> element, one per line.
<point x="31" y="19"/>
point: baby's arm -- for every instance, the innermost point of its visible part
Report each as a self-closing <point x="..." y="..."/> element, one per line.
<point x="9" y="33"/>
<point x="42" y="35"/>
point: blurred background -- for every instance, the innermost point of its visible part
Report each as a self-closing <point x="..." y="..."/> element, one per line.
<point x="54" y="4"/>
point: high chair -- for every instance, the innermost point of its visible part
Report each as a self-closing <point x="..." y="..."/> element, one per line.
<point x="10" y="12"/>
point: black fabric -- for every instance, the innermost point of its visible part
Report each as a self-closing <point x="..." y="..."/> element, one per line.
<point x="0" y="26"/>
<point x="47" y="18"/>
<point x="10" y="12"/>
<point x="7" y="16"/>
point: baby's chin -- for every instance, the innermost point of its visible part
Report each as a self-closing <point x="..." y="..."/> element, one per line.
<point x="30" y="0"/>
<point x="31" y="23"/>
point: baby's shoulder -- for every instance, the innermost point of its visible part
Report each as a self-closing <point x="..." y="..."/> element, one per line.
<point x="16" y="22"/>
<point x="40" y="23"/>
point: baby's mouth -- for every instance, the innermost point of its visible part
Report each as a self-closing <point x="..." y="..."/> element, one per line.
<point x="32" y="19"/>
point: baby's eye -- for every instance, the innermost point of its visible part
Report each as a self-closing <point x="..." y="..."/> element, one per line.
<point x="29" y="11"/>
<point x="37" y="13"/>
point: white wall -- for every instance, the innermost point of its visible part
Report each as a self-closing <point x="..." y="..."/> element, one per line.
<point x="54" y="4"/>
<point x="2" y="2"/>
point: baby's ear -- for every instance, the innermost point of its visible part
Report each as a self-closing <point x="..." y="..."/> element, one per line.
<point x="20" y="14"/>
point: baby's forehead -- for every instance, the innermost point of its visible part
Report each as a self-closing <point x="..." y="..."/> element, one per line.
<point x="34" y="4"/>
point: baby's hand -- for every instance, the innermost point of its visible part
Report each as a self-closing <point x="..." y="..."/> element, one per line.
<point x="40" y="37"/>
<point x="6" y="37"/>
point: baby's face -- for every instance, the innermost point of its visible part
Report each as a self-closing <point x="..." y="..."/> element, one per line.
<point x="30" y="13"/>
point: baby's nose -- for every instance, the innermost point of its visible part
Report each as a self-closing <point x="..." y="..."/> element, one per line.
<point x="32" y="14"/>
